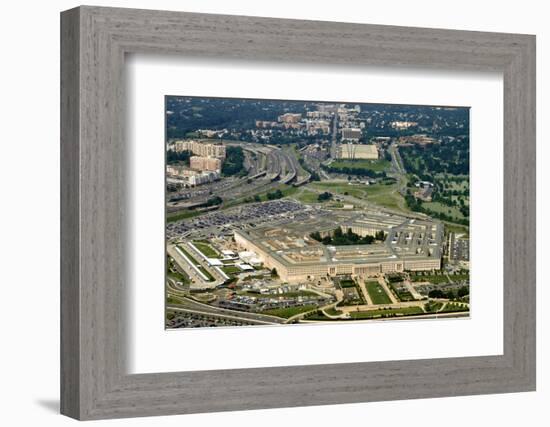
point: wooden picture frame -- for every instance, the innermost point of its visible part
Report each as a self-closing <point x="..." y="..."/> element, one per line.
<point x="94" y="382"/>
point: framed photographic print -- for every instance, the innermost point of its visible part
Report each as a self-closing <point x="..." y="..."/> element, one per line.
<point x="290" y="212"/>
<point x="297" y="212"/>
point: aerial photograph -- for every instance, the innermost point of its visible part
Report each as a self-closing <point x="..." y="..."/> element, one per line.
<point x="307" y="212"/>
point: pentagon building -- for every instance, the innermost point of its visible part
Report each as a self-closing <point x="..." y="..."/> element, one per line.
<point x="410" y="244"/>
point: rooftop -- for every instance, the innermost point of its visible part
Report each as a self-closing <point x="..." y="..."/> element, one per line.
<point x="406" y="239"/>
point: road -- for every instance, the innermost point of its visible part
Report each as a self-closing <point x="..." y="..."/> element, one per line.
<point x="369" y="205"/>
<point x="195" y="277"/>
<point x="300" y="316"/>
<point x="364" y="307"/>
<point x="334" y="143"/>
<point x="221" y="315"/>
<point x="396" y="160"/>
<point x="269" y="163"/>
<point x="192" y="305"/>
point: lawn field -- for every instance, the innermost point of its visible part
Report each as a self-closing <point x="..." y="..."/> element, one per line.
<point x="441" y="208"/>
<point x="433" y="307"/>
<point x="287" y="190"/>
<point x="347" y="283"/>
<point x="457" y="199"/>
<point x="452" y="307"/>
<point x="373" y="165"/>
<point x="292" y="150"/>
<point x="377" y="293"/>
<point x="177" y="276"/>
<point x="231" y="269"/>
<point x="342" y="188"/>
<point x="459" y="277"/>
<point x="173" y="300"/>
<point x="289" y="311"/>
<point x="206" y="273"/>
<point x="385" y="195"/>
<point x="371" y="314"/>
<point x="333" y="312"/>
<point x="401" y="292"/>
<point x="456" y="228"/>
<point x="432" y="278"/>
<point x="179" y="215"/>
<point x="455" y="182"/>
<point x="380" y="194"/>
<point x="207" y="250"/>
<point x="306" y="196"/>
<point x="188" y="255"/>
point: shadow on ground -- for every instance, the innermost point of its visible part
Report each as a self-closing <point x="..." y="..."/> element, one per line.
<point x="51" y="405"/>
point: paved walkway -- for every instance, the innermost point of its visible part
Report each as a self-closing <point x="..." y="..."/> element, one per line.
<point x="412" y="290"/>
<point x="365" y="292"/>
<point x="386" y="288"/>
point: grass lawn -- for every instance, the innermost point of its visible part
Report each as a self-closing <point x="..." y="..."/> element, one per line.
<point x="356" y="190"/>
<point x="458" y="198"/>
<point x="333" y="312"/>
<point x="347" y="283"/>
<point x="177" y="276"/>
<point x="401" y="293"/>
<point x="206" y="249"/>
<point x="432" y="307"/>
<point x="373" y="165"/>
<point x="317" y="315"/>
<point x="459" y="277"/>
<point x="454" y="306"/>
<point x="432" y="278"/>
<point x="188" y="255"/>
<point x="292" y="150"/>
<point x="289" y="311"/>
<point x="379" y="194"/>
<point x="173" y="300"/>
<point x="385" y="195"/>
<point x="406" y="311"/>
<point x="206" y="273"/>
<point x="458" y="182"/>
<point x="231" y="269"/>
<point x="377" y="293"/>
<point x="456" y="228"/>
<point x="441" y="208"/>
<point x="200" y="267"/>
<point x="179" y="215"/>
<point x="308" y="197"/>
<point x="287" y="190"/>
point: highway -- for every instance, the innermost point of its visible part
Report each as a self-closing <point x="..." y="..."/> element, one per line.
<point x="268" y="167"/>
<point x="334" y="144"/>
<point x="221" y="315"/>
<point x="452" y="315"/>
<point x="196" y="306"/>
<point x="374" y="207"/>
<point x="397" y="162"/>
<point x="290" y="163"/>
